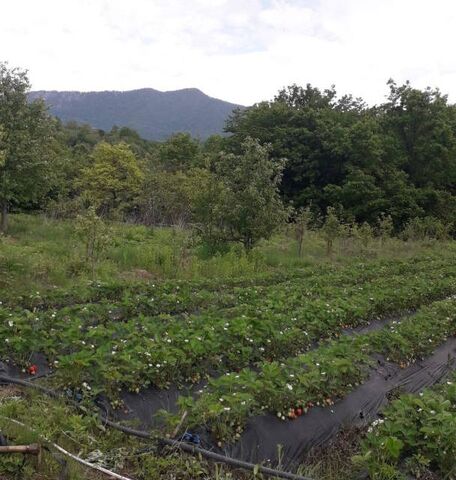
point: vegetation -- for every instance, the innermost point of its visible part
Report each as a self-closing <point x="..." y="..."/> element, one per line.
<point x="113" y="182"/>
<point x="395" y="161"/>
<point x="416" y="436"/>
<point x="241" y="202"/>
<point x="25" y="144"/>
<point x="316" y="378"/>
<point x="272" y="266"/>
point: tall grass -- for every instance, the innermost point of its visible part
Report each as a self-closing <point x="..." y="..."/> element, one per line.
<point x="41" y="253"/>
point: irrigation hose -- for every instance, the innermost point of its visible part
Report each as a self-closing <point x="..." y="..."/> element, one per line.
<point x="166" y="441"/>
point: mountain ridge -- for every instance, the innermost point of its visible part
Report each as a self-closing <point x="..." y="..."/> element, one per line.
<point x="154" y="114"/>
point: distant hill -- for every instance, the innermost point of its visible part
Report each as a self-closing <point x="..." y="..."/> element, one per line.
<point x="153" y="114"/>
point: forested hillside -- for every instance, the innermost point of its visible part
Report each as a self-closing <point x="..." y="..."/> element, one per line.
<point x="153" y="114"/>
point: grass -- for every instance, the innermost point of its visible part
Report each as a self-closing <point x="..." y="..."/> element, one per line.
<point x="40" y="253"/>
<point x="81" y="434"/>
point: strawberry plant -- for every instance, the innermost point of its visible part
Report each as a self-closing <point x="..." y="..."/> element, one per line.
<point x="321" y="376"/>
<point x="416" y="437"/>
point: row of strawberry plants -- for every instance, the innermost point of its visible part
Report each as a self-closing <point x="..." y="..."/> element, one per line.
<point x="135" y="354"/>
<point x="318" y="377"/>
<point x="255" y="301"/>
<point x="98" y="291"/>
<point x="282" y="301"/>
<point x="416" y="436"/>
<point x="174" y="297"/>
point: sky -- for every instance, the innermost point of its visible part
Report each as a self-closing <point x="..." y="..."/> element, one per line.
<point x="241" y="51"/>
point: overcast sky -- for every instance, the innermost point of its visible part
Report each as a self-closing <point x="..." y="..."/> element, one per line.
<point x="238" y="50"/>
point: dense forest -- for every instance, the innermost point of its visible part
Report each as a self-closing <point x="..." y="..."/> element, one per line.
<point x="307" y="150"/>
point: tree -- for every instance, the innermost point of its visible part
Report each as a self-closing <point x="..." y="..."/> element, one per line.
<point x="302" y="220"/>
<point x="398" y="158"/>
<point x="26" y="144"/>
<point x="385" y="227"/>
<point x="209" y="211"/>
<point x="425" y="127"/>
<point x="179" y="152"/>
<point x="331" y="229"/>
<point x="308" y="97"/>
<point x="314" y="132"/>
<point x="242" y="202"/>
<point x="169" y="197"/>
<point x="113" y="182"/>
<point x="95" y="234"/>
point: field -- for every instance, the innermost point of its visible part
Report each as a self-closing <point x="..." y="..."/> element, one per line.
<point x="267" y="348"/>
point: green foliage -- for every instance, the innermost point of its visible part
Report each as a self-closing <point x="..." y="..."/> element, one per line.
<point x="385" y="227"/>
<point x="179" y="152"/>
<point x="365" y="234"/>
<point x="113" y="182"/>
<point x="398" y="158"/>
<point x="26" y="144"/>
<point x="169" y="198"/>
<point x="95" y="235"/>
<point x="318" y="377"/>
<point x="331" y="229"/>
<point x="302" y="219"/>
<point x="426" y="228"/>
<point x="131" y="335"/>
<point x="417" y="437"/>
<point x="241" y="202"/>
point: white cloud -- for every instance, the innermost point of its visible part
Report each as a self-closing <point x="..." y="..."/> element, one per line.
<point x="238" y="50"/>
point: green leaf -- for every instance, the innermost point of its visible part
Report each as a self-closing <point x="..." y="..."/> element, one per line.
<point x="393" y="447"/>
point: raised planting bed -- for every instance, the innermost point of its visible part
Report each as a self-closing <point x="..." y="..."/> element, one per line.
<point x="317" y="378"/>
<point x="259" y="442"/>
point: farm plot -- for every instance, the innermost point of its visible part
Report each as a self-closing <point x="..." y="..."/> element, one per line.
<point x="95" y="345"/>
<point x="270" y="345"/>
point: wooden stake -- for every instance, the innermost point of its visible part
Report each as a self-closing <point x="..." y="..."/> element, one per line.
<point x="179" y="425"/>
<point x="33" y="449"/>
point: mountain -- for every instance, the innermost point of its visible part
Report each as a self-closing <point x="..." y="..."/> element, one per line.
<point x="153" y="114"/>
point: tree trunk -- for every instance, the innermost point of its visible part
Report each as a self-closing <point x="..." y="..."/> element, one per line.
<point x="4" y="217"/>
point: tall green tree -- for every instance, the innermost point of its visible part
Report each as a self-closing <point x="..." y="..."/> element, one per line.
<point x="113" y="182"/>
<point x="242" y="203"/>
<point x="313" y="131"/>
<point x="26" y="144"/>
<point x="424" y="125"/>
<point x="398" y="158"/>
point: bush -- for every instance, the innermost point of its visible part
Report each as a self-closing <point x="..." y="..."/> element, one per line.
<point x="426" y="228"/>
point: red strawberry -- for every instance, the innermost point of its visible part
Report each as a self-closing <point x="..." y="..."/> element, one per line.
<point x="298" y="411"/>
<point x="32" y="370"/>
